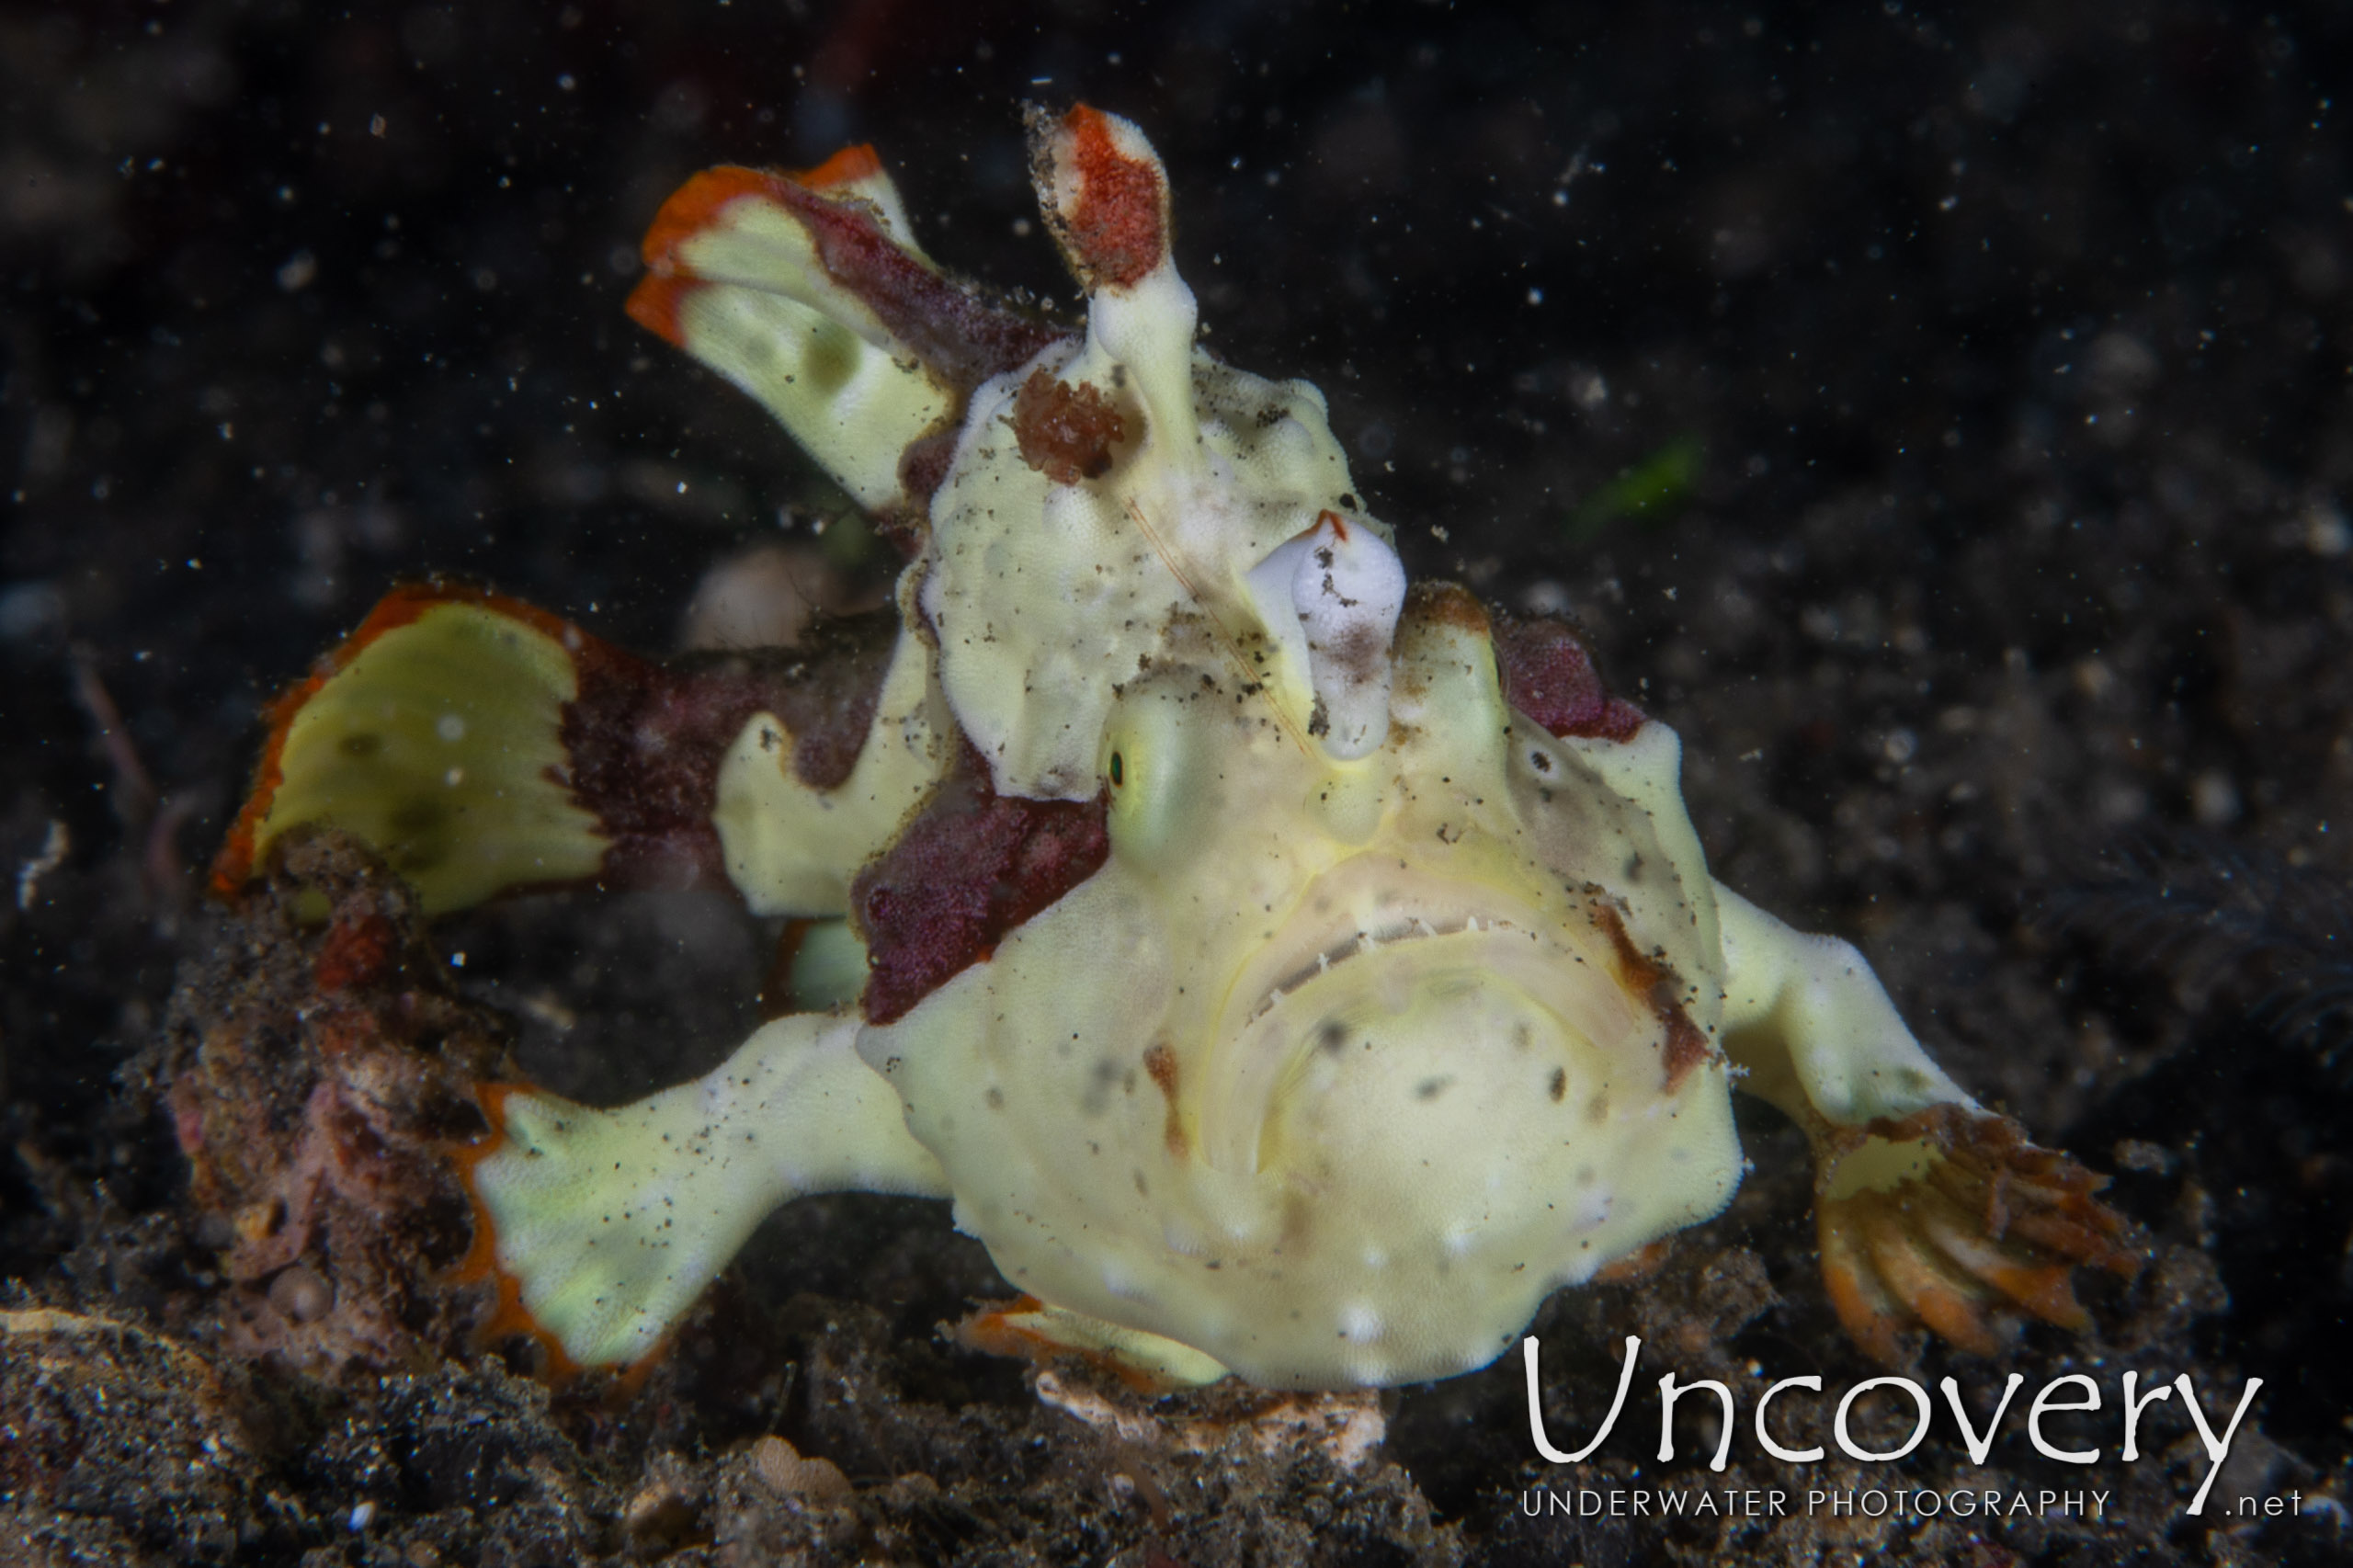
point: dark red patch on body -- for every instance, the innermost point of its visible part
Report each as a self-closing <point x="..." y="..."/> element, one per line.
<point x="1548" y="675"/>
<point x="1654" y="981"/>
<point x="1066" y="433"/>
<point x="966" y="873"/>
<point x="645" y="741"/>
<point x="1686" y="1046"/>
<point x="825" y="690"/>
<point x="643" y="745"/>
<point x="777" y="999"/>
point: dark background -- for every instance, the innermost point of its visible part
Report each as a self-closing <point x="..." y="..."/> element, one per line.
<point x="1938" y="414"/>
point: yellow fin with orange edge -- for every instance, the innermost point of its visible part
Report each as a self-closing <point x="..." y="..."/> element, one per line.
<point x="603" y="1227"/>
<point x="434" y="735"/>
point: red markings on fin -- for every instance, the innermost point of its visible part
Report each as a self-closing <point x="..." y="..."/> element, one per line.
<point x="1116" y="225"/>
<point x="1994" y="1226"/>
<point x="696" y="206"/>
<point x="1547" y="674"/>
<point x="968" y="871"/>
<point x="1108" y="207"/>
<point x="961" y="336"/>
<point x="653" y="305"/>
<point x="1019" y="1330"/>
<point x="693" y="208"/>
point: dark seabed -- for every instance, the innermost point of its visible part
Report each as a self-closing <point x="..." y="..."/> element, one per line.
<point x="1940" y="417"/>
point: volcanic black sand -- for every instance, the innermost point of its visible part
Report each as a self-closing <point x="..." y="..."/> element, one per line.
<point x="1940" y="418"/>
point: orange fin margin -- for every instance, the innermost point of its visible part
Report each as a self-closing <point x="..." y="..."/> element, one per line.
<point x="693" y="208"/>
<point x="1996" y="1222"/>
<point x="509" y="1317"/>
<point x="696" y="206"/>
<point x="233" y="867"/>
<point x="848" y="166"/>
<point x="998" y="1329"/>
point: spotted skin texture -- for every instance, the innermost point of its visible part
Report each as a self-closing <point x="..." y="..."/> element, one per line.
<point x="1286" y="969"/>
